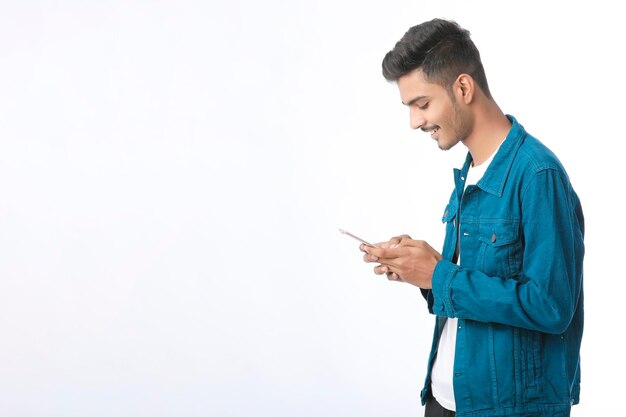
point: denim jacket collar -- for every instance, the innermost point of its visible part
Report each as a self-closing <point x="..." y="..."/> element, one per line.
<point x="494" y="179"/>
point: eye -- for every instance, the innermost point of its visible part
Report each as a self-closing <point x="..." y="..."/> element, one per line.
<point x="423" y="106"/>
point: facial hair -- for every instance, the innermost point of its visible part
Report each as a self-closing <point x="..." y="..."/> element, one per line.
<point x="459" y="126"/>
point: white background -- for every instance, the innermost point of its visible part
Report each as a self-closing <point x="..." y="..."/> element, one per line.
<point x="173" y="174"/>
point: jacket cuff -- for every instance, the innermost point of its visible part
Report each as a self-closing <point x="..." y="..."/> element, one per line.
<point x="442" y="293"/>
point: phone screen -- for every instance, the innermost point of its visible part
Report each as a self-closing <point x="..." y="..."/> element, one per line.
<point x="345" y="232"/>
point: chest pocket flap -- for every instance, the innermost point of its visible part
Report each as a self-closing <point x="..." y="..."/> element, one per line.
<point x="449" y="213"/>
<point x="500" y="233"/>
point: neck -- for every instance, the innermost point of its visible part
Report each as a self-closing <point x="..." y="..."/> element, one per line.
<point x="490" y="128"/>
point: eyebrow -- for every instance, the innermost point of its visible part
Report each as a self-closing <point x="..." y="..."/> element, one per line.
<point x="412" y="101"/>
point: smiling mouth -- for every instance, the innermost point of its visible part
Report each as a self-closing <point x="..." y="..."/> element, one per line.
<point x="433" y="132"/>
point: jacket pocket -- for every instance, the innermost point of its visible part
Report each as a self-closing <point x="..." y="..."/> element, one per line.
<point x="501" y="247"/>
<point x="529" y="354"/>
<point x="449" y="218"/>
<point x="530" y="364"/>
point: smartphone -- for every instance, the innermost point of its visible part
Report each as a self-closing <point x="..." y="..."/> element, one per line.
<point x="345" y="232"/>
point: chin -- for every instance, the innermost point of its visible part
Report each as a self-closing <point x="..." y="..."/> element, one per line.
<point x="446" y="145"/>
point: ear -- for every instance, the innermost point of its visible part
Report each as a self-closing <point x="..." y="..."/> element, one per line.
<point x="465" y="88"/>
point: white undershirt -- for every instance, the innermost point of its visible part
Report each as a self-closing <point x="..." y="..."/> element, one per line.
<point x="443" y="367"/>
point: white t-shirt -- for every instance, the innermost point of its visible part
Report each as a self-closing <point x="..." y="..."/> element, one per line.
<point x="443" y="367"/>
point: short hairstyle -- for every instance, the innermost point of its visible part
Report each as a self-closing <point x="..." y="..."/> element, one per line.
<point x="441" y="49"/>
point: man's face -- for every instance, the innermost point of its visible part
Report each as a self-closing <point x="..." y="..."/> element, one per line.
<point x="433" y="110"/>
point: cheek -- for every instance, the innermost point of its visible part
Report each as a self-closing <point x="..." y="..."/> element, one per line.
<point x="448" y="120"/>
<point x="458" y="121"/>
<point x="440" y="116"/>
<point x="465" y="125"/>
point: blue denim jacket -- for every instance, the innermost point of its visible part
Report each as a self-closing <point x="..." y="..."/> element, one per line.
<point x="518" y="290"/>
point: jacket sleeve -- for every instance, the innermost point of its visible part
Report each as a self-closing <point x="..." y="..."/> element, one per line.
<point x="544" y="296"/>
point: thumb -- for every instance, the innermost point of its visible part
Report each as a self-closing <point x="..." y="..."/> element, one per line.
<point x="394" y="242"/>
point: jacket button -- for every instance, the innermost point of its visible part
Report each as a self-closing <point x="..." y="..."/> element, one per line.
<point x="493" y="238"/>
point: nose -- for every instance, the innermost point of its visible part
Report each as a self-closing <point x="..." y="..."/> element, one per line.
<point x="416" y="119"/>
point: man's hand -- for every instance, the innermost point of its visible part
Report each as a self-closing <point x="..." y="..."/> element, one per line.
<point x="404" y="259"/>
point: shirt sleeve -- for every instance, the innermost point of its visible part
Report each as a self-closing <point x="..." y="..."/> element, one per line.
<point x="545" y="295"/>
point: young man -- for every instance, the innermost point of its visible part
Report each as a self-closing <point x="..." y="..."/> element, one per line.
<point x="507" y="288"/>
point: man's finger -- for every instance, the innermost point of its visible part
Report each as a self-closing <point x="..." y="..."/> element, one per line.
<point x="398" y="239"/>
<point x="369" y="258"/>
<point x="381" y="269"/>
<point x="383" y="253"/>
<point x="392" y="276"/>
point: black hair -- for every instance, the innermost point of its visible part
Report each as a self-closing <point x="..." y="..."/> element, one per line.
<point x="441" y="49"/>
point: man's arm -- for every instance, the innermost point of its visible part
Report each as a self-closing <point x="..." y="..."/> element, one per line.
<point x="543" y="297"/>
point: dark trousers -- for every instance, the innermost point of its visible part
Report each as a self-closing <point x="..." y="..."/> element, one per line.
<point x="434" y="409"/>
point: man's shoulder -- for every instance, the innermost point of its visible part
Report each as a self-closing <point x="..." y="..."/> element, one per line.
<point x="535" y="156"/>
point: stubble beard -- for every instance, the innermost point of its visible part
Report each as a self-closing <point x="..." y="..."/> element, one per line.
<point x="458" y="126"/>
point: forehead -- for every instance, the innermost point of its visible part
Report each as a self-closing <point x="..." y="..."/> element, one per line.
<point x="414" y="85"/>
